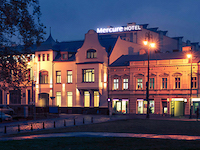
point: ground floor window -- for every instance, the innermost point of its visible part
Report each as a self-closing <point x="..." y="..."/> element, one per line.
<point x="120" y="106"/>
<point x="142" y="106"/>
<point x="58" y="99"/>
<point x="69" y="99"/>
<point x="86" y="99"/>
<point x="96" y="98"/>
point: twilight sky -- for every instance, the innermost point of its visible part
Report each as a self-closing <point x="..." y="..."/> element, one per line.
<point x="71" y="19"/>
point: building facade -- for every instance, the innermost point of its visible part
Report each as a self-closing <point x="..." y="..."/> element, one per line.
<point x="108" y="71"/>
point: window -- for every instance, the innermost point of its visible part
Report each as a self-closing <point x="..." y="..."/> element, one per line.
<point x="86" y="99"/>
<point x="58" y="76"/>
<point x="177" y="83"/>
<point x="47" y="57"/>
<point x="43" y="57"/>
<point x="96" y="99"/>
<point x="116" y="84"/>
<point x="139" y="84"/>
<point x="70" y="55"/>
<point x="69" y="99"/>
<point x="38" y="57"/>
<point x="194" y="82"/>
<point x="43" y="77"/>
<point x="69" y="76"/>
<point x="64" y="56"/>
<point x="151" y="85"/>
<point x="58" y="99"/>
<point x="164" y="83"/>
<point x="88" y="75"/>
<point x="91" y="53"/>
<point x="125" y="84"/>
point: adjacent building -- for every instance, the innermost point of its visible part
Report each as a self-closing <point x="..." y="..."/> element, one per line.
<point x="108" y="71"/>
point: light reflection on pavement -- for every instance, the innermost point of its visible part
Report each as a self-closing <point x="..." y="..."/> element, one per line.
<point x="103" y="134"/>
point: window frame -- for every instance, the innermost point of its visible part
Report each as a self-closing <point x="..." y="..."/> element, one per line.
<point x="91" y="53"/>
<point x="164" y="83"/>
<point x="177" y="82"/>
<point x="139" y="83"/>
<point x="115" y="83"/>
<point x="58" y="77"/>
<point x="125" y="84"/>
<point x="69" y="77"/>
<point x="151" y="82"/>
<point x="43" y="77"/>
<point x="88" y="75"/>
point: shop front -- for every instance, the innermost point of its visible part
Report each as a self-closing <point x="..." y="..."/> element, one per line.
<point x="142" y="106"/>
<point x="177" y="106"/>
<point x="120" y="106"/>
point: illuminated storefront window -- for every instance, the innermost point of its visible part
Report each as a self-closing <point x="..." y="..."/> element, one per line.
<point x="120" y="106"/>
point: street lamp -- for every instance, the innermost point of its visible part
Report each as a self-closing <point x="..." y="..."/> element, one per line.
<point x="147" y="42"/>
<point x="189" y="56"/>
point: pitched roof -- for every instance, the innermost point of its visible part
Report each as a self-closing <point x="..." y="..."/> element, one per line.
<point x="124" y="60"/>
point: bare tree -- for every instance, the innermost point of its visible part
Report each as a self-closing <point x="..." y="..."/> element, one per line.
<point x="20" y="28"/>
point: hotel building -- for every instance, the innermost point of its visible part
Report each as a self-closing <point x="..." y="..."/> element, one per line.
<point x="108" y="70"/>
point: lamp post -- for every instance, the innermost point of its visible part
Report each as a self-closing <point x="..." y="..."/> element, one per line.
<point x="190" y="57"/>
<point x="148" y="38"/>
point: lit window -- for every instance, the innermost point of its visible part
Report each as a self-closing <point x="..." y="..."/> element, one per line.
<point x="58" y="99"/>
<point x="86" y="99"/>
<point x="151" y="83"/>
<point x="47" y="57"/>
<point x="43" y="77"/>
<point x="177" y="83"/>
<point x="125" y="84"/>
<point x="96" y="98"/>
<point x="58" y="76"/>
<point x="116" y="84"/>
<point x="88" y="75"/>
<point x="69" y="76"/>
<point x="69" y="99"/>
<point x="164" y="83"/>
<point x="139" y="84"/>
<point x="43" y="57"/>
<point x="38" y="57"/>
<point x="194" y="82"/>
<point x="91" y="53"/>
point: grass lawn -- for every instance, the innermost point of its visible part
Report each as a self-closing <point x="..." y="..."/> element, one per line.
<point x="97" y="143"/>
<point x="122" y="126"/>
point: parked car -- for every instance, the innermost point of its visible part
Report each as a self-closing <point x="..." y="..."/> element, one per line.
<point x="4" y="116"/>
<point x="6" y="109"/>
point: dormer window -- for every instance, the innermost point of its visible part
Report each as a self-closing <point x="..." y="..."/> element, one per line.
<point x="91" y="53"/>
<point x="64" y="56"/>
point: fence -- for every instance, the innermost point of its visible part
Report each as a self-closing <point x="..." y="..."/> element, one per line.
<point x="48" y="124"/>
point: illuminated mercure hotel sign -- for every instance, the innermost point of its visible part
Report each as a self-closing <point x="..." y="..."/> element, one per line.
<point x="118" y="29"/>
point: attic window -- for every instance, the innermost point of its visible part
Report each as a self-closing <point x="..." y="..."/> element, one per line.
<point x="91" y="53"/>
<point x="64" y="56"/>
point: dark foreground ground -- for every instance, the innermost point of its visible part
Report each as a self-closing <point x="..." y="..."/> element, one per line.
<point x="122" y="126"/>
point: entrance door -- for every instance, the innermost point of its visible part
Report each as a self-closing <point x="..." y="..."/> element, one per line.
<point x="43" y="100"/>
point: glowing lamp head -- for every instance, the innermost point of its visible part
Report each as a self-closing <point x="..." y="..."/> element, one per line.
<point x="152" y="45"/>
<point x="189" y="55"/>
<point x="145" y="42"/>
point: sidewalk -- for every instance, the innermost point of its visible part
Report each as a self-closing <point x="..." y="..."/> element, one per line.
<point x="103" y="134"/>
